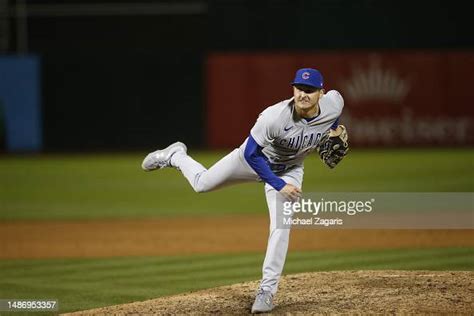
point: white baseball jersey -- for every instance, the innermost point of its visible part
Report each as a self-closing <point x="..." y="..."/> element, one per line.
<point x="287" y="139"/>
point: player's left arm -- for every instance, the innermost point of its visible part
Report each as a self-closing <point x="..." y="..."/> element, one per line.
<point x="335" y="130"/>
<point x="338" y="101"/>
<point x="334" y="144"/>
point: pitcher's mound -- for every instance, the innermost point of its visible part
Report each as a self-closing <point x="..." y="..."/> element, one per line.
<point x="358" y="292"/>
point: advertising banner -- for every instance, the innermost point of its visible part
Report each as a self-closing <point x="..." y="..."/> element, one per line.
<point x="391" y="98"/>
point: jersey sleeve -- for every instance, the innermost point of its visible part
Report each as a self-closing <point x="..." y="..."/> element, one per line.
<point x="256" y="159"/>
<point x="337" y="104"/>
<point x="337" y="101"/>
<point x="263" y="132"/>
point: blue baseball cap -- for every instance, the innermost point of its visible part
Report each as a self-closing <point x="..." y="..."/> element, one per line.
<point x="309" y="77"/>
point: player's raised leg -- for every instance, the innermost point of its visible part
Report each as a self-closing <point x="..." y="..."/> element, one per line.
<point x="229" y="170"/>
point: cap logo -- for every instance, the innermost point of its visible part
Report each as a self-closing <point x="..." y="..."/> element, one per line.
<point x="305" y="75"/>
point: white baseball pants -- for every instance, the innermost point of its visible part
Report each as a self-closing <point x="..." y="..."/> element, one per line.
<point x="234" y="169"/>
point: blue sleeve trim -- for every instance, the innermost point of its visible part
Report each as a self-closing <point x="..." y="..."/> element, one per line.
<point x="256" y="159"/>
<point x="335" y="124"/>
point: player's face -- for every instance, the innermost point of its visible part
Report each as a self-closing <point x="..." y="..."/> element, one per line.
<point x="306" y="97"/>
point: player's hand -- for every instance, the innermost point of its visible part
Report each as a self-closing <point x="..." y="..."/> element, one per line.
<point x="291" y="192"/>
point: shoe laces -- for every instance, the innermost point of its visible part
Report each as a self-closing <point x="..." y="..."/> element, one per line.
<point x="262" y="294"/>
<point x="162" y="163"/>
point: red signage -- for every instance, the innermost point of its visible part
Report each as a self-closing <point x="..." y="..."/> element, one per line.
<point x="391" y="98"/>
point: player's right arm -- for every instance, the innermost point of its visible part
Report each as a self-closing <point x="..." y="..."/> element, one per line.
<point x="255" y="158"/>
<point x="260" y="136"/>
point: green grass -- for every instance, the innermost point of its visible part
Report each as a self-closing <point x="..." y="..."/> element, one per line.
<point x="87" y="283"/>
<point x="44" y="187"/>
<point x="113" y="186"/>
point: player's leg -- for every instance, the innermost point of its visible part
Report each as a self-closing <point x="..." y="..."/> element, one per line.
<point x="277" y="246"/>
<point x="278" y="239"/>
<point x="231" y="169"/>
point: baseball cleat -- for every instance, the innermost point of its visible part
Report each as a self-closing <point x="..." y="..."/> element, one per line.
<point x="263" y="302"/>
<point x="162" y="158"/>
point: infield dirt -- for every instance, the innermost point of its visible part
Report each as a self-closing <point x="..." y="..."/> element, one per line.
<point x="347" y="292"/>
<point x="340" y="292"/>
<point x="201" y="235"/>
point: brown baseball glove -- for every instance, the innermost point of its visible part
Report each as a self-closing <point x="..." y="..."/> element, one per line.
<point x="332" y="147"/>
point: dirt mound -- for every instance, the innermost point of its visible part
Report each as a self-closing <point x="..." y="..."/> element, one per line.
<point x="358" y="292"/>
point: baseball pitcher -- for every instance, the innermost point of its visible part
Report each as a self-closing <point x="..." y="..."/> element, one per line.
<point x="283" y="135"/>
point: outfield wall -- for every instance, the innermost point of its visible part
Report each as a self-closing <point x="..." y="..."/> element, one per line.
<point x="123" y="75"/>
<point x="396" y="98"/>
